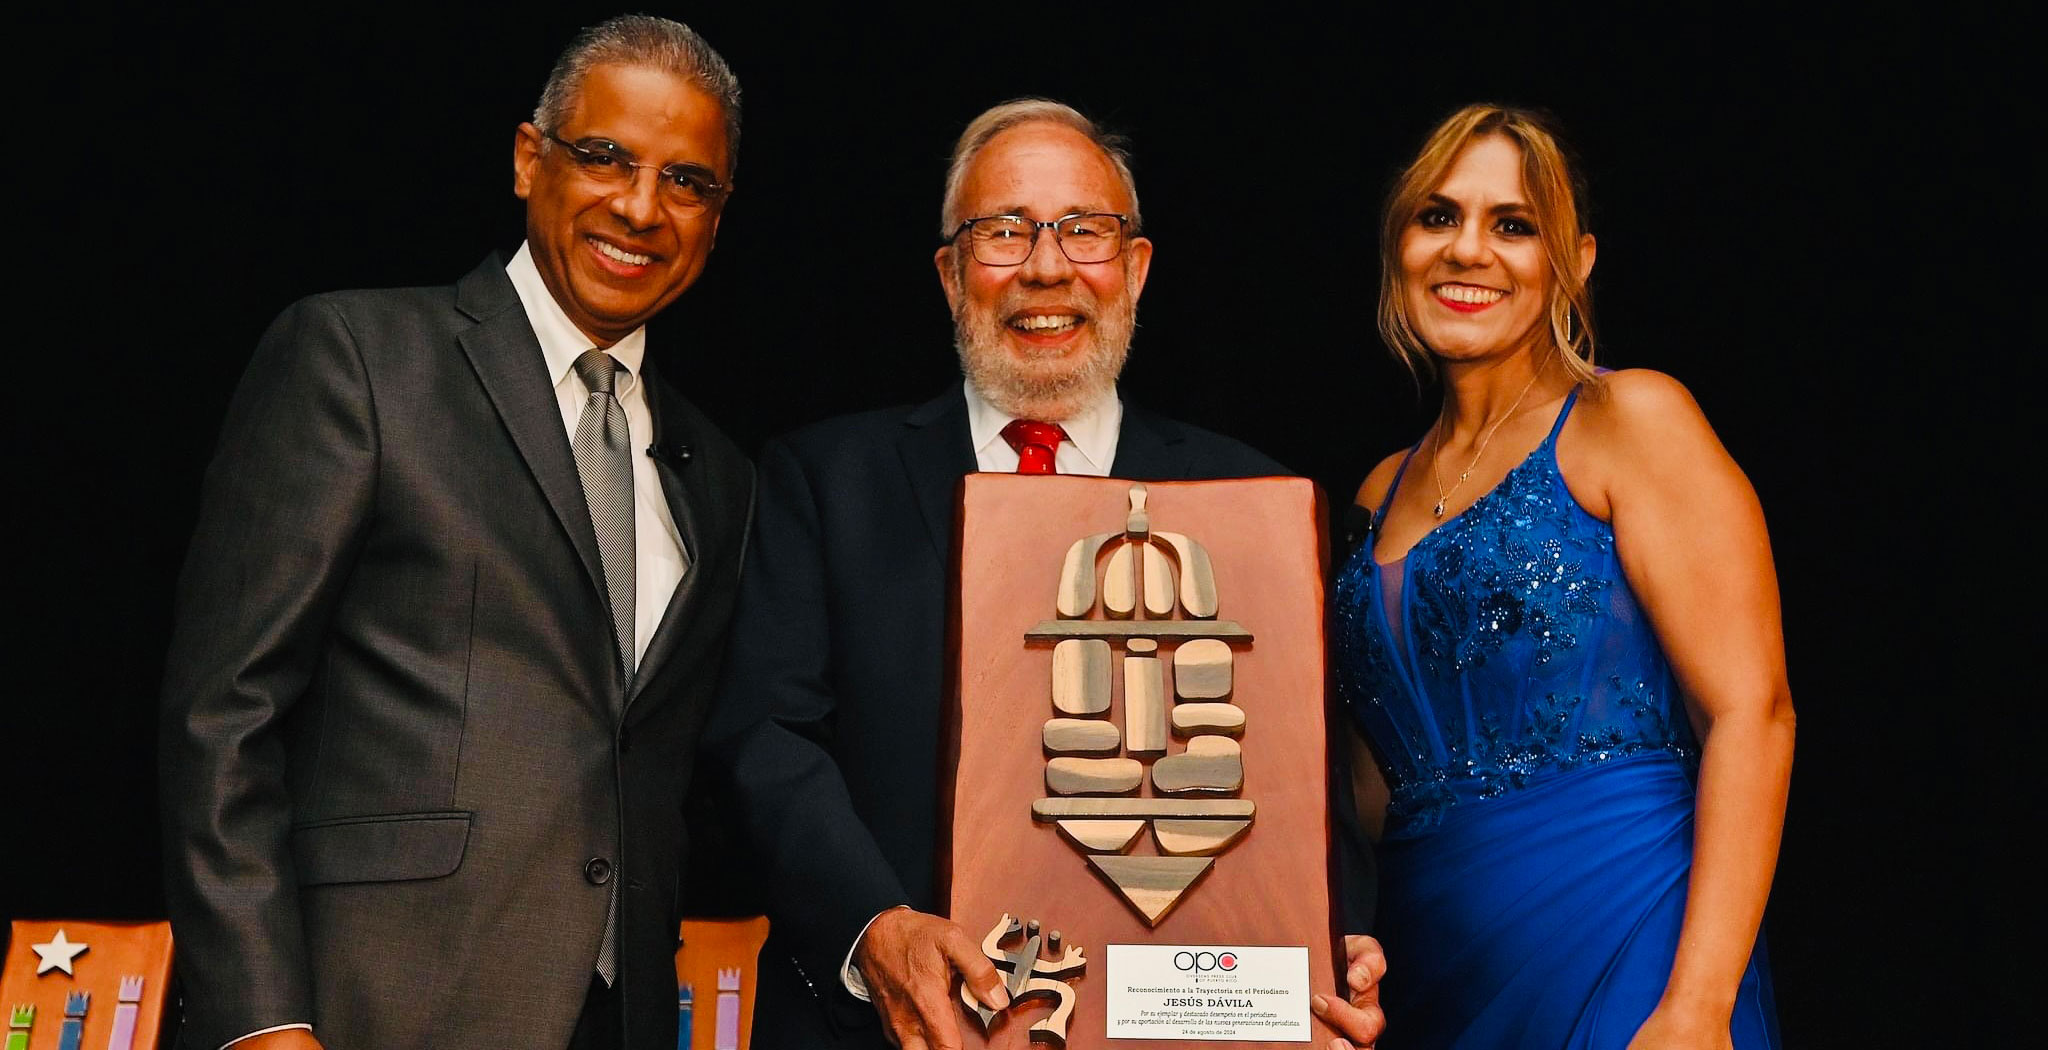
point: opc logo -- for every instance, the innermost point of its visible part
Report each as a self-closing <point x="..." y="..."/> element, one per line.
<point x="1204" y="962"/>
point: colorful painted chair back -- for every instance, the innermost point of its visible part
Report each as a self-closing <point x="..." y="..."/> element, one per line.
<point x="70" y="984"/>
<point x="715" y="969"/>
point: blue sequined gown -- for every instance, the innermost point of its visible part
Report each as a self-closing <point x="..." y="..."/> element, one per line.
<point x="1533" y="870"/>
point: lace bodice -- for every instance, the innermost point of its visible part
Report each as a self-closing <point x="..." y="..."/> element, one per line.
<point x="1522" y="653"/>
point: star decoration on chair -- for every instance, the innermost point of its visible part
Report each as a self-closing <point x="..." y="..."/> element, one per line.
<point x="57" y="954"/>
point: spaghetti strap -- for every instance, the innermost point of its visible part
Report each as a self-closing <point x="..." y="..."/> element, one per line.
<point x="1557" y="427"/>
<point x="1388" y="499"/>
<point x="1549" y="440"/>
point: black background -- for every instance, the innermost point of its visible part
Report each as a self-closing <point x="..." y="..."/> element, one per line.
<point x="1814" y="225"/>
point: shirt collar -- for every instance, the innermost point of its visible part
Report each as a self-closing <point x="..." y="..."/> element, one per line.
<point x="561" y="342"/>
<point x="1091" y="432"/>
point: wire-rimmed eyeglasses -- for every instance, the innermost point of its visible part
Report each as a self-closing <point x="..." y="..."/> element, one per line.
<point x="686" y="187"/>
<point x="1007" y="240"/>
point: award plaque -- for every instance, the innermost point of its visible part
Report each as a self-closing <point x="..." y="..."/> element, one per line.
<point x="1135" y="775"/>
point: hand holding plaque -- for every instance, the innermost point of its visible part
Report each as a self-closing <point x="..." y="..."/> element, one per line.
<point x="1359" y="1017"/>
<point x="908" y="959"/>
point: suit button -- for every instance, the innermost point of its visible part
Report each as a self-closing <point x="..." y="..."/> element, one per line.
<point x="598" y="870"/>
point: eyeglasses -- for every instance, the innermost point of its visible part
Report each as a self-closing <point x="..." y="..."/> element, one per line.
<point x="1007" y="240"/>
<point x="685" y="187"/>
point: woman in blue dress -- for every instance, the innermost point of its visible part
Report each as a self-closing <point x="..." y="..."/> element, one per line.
<point x="1561" y="641"/>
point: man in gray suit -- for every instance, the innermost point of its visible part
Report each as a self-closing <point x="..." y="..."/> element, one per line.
<point x="450" y="620"/>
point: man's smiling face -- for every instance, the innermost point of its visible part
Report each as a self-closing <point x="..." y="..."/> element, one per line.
<point x="614" y="254"/>
<point x="1046" y="337"/>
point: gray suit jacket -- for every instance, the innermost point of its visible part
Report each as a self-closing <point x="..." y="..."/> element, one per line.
<point x="402" y="772"/>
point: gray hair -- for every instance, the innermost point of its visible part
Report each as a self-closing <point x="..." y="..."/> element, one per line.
<point x="642" y="40"/>
<point x="1000" y="118"/>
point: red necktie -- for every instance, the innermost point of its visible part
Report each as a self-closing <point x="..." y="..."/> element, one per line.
<point x="1035" y="443"/>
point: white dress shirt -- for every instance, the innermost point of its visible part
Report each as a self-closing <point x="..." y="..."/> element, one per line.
<point x="1089" y="449"/>
<point x="659" y="560"/>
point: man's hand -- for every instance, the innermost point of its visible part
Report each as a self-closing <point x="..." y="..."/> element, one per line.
<point x="289" y="1039"/>
<point x="908" y="959"/>
<point x="1359" y="1018"/>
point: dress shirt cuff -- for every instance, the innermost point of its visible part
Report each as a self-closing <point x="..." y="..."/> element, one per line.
<point x="267" y="1031"/>
<point x="849" y="974"/>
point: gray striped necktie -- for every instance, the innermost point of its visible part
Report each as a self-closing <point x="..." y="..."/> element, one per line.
<point x="604" y="460"/>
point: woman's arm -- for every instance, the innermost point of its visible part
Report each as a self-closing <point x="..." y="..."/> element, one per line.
<point x="1693" y="544"/>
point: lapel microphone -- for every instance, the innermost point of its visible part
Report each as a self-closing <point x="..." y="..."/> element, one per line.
<point x="670" y="454"/>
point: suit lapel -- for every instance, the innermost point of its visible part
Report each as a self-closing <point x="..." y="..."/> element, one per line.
<point x="1149" y="447"/>
<point x="507" y="359"/>
<point x="683" y="487"/>
<point x="937" y="451"/>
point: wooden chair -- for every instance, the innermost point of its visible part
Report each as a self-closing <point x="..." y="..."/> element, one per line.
<point x="715" y="971"/>
<point x="75" y="983"/>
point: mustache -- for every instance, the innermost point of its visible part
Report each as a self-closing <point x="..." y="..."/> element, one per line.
<point x="1012" y="305"/>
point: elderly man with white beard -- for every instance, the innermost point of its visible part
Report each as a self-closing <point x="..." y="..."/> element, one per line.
<point x="828" y="721"/>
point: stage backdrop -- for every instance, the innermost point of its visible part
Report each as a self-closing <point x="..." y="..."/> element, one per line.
<point x="1814" y="226"/>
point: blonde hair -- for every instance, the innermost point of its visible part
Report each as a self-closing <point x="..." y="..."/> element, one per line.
<point x="1556" y="194"/>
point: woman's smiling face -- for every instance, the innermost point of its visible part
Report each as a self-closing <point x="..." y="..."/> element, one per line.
<point x="1474" y="273"/>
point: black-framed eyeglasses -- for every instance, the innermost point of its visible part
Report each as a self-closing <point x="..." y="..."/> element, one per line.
<point x="1007" y="240"/>
<point x="686" y="187"/>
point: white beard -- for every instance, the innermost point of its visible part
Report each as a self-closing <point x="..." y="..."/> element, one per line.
<point x="1052" y="387"/>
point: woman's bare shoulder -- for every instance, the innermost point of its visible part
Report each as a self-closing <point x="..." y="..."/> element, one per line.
<point x="1376" y="484"/>
<point x="1642" y="402"/>
<point x="1645" y="430"/>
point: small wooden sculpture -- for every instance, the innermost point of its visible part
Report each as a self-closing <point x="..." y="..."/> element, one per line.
<point x="1211" y="763"/>
<point x="1028" y="974"/>
<point x="1197" y="838"/>
<point x="1197" y="719"/>
<point x="1201" y="670"/>
<point x="1093" y="776"/>
<point x="1144" y="698"/>
<point x="1082" y="736"/>
<point x="1080" y="676"/>
<point x="1155" y="587"/>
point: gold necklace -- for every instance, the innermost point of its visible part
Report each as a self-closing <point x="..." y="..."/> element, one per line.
<point x="1443" y="497"/>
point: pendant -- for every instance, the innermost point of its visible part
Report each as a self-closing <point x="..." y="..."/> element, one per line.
<point x="1439" y="508"/>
